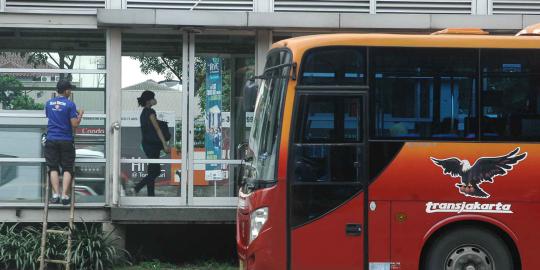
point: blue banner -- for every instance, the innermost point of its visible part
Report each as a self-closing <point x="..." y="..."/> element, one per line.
<point x="213" y="135"/>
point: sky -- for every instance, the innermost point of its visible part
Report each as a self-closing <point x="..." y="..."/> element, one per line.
<point x="131" y="73"/>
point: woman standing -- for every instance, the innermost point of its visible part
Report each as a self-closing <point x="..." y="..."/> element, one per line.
<point x="153" y="140"/>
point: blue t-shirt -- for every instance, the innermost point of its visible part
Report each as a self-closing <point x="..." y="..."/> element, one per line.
<point x="60" y="110"/>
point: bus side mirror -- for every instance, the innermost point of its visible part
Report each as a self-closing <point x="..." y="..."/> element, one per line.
<point x="250" y="94"/>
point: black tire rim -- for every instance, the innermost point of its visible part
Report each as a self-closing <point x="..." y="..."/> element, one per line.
<point x="469" y="257"/>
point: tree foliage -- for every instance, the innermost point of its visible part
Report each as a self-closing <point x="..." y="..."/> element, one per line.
<point x="13" y="96"/>
<point x="10" y="89"/>
<point x="25" y="102"/>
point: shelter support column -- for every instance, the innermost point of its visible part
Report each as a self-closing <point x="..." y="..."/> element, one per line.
<point x="264" y="41"/>
<point x="113" y="109"/>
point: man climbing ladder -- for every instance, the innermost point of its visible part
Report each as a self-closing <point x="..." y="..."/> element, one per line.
<point x="63" y="117"/>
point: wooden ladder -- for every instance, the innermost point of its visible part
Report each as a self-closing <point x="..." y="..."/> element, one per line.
<point x="46" y="231"/>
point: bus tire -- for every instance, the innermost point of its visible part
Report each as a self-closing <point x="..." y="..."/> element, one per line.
<point x="462" y="248"/>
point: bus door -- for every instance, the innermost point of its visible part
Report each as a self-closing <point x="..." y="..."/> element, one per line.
<point x="326" y="180"/>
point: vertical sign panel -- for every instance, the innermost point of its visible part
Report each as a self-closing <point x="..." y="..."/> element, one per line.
<point x="212" y="139"/>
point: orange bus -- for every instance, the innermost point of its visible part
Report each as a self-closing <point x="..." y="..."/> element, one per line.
<point x="387" y="152"/>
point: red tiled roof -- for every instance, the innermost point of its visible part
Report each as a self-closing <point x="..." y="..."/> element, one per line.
<point x="15" y="60"/>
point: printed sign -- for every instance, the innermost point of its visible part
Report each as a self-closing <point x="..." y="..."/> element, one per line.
<point x="464" y="207"/>
<point x="90" y="131"/>
<point x="226" y="119"/>
<point x="249" y="119"/>
<point x="213" y="118"/>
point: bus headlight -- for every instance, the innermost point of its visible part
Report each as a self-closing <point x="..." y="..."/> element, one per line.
<point x="258" y="218"/>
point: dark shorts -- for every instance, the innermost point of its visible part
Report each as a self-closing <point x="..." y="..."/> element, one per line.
<point x="60" y="154"/>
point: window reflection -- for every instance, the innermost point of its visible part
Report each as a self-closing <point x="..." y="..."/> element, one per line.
<point x="510" y="95"/>
<point x="416" y="98"/>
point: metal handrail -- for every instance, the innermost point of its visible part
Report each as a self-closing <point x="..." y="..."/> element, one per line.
<point x="42" y="160"/>
<point x="53" y="71"/>
<point x="179" y="161"/>
<point x="41" y="114"/>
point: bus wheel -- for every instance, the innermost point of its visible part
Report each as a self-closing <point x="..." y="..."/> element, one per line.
<point x="468" y="249"/>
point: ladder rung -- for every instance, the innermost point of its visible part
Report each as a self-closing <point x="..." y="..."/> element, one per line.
<point x="56" y="261"/>
<point x="59" y="232"/>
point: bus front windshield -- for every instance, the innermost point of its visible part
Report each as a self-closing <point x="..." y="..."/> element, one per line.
<point x="263" y="139"/>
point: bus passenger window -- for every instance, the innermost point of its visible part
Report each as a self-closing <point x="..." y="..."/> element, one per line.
<point x="334" y="66"/>
<point x="510" y="94"/>
<point x="424" y="93"/>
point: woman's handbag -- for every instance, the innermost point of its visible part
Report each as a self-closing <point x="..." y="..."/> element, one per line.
<point x="164" y="130"/>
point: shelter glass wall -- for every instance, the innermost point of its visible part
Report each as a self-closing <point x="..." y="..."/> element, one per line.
<point x="31" y="63"/>
<point x="221" y="113"/>
<point x="152" y="62"/>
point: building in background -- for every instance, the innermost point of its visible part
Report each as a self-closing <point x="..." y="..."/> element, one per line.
<point x="115" y="49"/>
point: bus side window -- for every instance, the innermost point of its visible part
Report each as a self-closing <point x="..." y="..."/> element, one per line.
<point x="424" y="93"/>
<point x="510" y="94"/>
<point x="327" y="154"/>
<point x="334" y="66"/>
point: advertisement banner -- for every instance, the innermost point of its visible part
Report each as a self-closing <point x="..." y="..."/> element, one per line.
<point x="213" y="120"/>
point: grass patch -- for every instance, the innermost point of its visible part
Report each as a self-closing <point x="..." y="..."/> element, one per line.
<point x="157" y="265"/>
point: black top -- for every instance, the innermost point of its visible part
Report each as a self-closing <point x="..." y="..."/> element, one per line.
<point x="149" y="134"/>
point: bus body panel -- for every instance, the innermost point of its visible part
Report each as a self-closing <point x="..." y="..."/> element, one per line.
<point x="425" y="200"/>
<point x="413" y="176"/>
<point x="408" y="237"/>
<point x="379" y="231"/>
<point x="268" y="250"/>
<point x="322" y="243"/>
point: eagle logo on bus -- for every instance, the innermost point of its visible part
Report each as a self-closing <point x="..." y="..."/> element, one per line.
<point x="483" y="170"/>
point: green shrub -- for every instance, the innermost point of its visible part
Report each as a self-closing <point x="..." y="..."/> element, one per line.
<point x="92" y="249"/>
<point x="20" y="247"/>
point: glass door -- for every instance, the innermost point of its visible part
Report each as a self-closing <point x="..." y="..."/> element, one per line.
<point x="217" y="118"/>
<point x="153" y="65"/>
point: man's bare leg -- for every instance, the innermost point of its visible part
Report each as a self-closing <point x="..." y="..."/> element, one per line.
<point x="55" y="182"/>
<point x="66" y="187"/>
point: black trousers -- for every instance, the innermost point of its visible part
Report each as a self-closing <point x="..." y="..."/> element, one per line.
<point x="154" y="169"/>
<point x="60" y="154"/>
